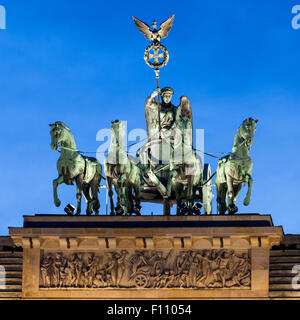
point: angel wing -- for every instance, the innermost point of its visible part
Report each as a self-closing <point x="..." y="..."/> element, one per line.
<point x="143" y="28"/>
<point x="166" y="27"/>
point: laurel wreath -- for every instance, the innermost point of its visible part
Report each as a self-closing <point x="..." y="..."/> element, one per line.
<point x="165" y="57"/>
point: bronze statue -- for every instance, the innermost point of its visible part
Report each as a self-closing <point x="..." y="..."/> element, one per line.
<point x="235" y="169"/>
<point x="123" y="173"/>
<point x="185" y="166"/>
<point x="169" y="115"/>
<point x="154" y="35"/>
<point x="72" y="166"/>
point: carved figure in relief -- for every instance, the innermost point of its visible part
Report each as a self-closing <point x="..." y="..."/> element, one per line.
<point x="91" y="269"/>
<point x="205" y="277"/>
<point x="57" y="270"/>
<point x="46" y="271"/>
<point x="78" y="269"/>
<point x="122" y="266"/>
<point x="223" y="262"/>
<point x="113" y="267"/>
<point x="99" y="280"/>
<point x="139" y="260"/>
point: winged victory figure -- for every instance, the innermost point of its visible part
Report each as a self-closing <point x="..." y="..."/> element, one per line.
<point x="154" y="35"/>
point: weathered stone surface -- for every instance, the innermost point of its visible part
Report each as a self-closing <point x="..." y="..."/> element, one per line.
<point x="110" y="257"/>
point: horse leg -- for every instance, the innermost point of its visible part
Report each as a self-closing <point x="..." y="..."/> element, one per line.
<point x="137" y="194"/>
<point x="178" y="199"/>
<point x="221" y="197"/>
<point x="111" y="195"/>
<point x="78" y="194"/>
<point x="124" y="199"/>
<point x="95" y="183"/>
<point x="248" y="195"/>
<point x="89" y="202"/>
<point x="56" y="182"/>
<point x="123" y="193"/>
<point x="237" y="189"/>
<point x="190" y="200"/>
<point x="171" y="182"/>
<point x="232" y="208"/>
<point x="177" y="187"/>
<point x="160" y="187"/>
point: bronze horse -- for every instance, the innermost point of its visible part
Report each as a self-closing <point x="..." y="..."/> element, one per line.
<point x="72" y="166"/>
<point x="235" y="169"/>
<point x="123" y="173"/>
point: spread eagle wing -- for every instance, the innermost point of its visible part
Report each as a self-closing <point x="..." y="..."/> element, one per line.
<point x="166" y="27"/>
<point x="143" y="28"/>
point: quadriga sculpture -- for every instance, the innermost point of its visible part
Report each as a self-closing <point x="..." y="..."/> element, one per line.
<point x="235" y="169"/>
<point x="123" y="173"/>
<point x="72" y="166"/>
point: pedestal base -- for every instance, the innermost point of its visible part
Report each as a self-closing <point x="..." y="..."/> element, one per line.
<point x="146" y="257"/>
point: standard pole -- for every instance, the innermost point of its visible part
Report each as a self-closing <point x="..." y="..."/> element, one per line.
<point x="158" y="102"/>
<point x="166" y="202"/>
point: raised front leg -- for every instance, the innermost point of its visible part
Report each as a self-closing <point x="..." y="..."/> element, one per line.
<point x="56" y="182"/>
<point x="160" y="187"/>
<point x="248" y="195"/>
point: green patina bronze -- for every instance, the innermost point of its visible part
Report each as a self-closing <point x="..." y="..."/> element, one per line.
<point x="174" y="175"/>
<point x="167" y="168"/>
<point x="122" y="173"/>
<point x="185" y="166"/>
<point x="72" y="166"/>
<point x="235" y="169"/>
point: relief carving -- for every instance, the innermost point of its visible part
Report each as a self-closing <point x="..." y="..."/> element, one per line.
<point x="197" y="269"/>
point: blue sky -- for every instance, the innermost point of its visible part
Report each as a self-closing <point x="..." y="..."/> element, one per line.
<point x="82" y="63"/>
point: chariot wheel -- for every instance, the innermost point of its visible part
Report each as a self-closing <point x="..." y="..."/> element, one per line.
<point x="207" y="194"/>
<point x="140" y="280"/>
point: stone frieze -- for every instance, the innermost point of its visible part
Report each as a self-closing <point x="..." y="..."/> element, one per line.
<point x="193" y="269"/>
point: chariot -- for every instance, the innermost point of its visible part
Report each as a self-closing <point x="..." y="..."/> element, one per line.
<point x="153" y="190"/>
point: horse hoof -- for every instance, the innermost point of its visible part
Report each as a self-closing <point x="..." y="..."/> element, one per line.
<point x="246" y="202"/>
<point x="136" y="209"/>
<point x="197" y="209"/>
<point x="232" y="209"/>
<point x="57" y="203"/>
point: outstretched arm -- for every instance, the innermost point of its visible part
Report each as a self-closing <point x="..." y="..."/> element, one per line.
<point x="151" y="111"/>
<point x="150" y="100"/>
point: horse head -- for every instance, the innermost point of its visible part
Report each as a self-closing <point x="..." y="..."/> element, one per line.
<point x="58" y="133"/>
<point x="183" y="132"/>
<point x="117" y="132"/>
<point x="247" y="130"/>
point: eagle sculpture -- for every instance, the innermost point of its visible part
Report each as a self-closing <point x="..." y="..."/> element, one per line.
<point x="154" y="35"/>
